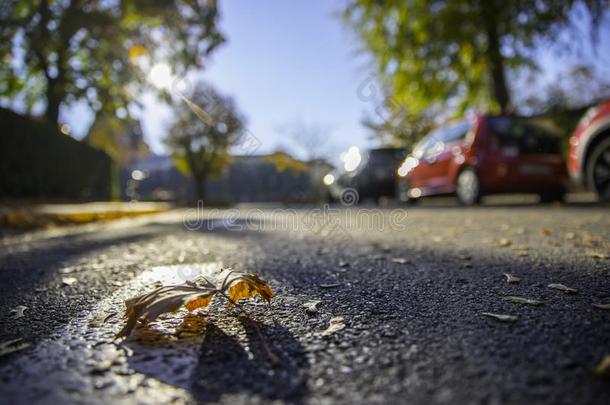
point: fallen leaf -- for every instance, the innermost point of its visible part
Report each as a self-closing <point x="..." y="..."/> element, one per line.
<point x="311" y="307"/>
<point x="521" y="300"/>
<point x="330" y="285"/>
<point x="602" y="306"/>
<point x="501" y="317"/>
<point x="504" y="242"/>
<point x="603" y="367"/>
<point x="12" y="346"/>
<point x="235" y="286"/>
<point x="511" y="279"/>
<point x="400" y="260"/>
<point x="68" y="281"/>
<point x="336" y="324"/>
<point x="18" y="312"/>
<point x="546" y="232"/>
<point x="564" y="288"/>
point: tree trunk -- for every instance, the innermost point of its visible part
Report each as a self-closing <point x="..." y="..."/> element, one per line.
<point x="495" y="58"/>
<point x="53" y="103"/>
<point x="200" y="187"/>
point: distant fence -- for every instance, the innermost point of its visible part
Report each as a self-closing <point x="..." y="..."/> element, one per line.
<point x="39" y="162"/>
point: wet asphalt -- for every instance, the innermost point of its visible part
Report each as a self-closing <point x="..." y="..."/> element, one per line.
<point x="406" y="286"/>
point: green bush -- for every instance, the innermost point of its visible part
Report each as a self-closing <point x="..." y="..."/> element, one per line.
<point x="39" y="162"/>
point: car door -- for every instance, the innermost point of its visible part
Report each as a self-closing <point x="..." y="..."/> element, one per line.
<point x="442" y="157"/>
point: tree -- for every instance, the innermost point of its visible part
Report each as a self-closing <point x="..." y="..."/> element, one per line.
<point x="457" y="53"/>
<point x="207" y="124"/>
<point x="68" y="50"/>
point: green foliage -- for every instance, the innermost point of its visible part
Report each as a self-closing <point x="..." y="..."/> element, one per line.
<point x="63" y="51"/>
<point x="453" y="55"/>
<point x="37" y="161"/>
<point x="206" y="125"/>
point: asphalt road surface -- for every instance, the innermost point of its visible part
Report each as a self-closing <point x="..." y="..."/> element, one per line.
<point x="403" y="292"/>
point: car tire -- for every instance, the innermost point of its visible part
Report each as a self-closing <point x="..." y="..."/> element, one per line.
<point x="598" y="170"/>
<point x="468" y="187"/>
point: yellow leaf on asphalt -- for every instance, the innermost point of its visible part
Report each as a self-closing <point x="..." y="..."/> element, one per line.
<point x="245" y="285"/>
<point x="603" y="367"/>
<point x="521" y="300"/>
<point x="511" y="279"/>
<point x="198" y="303"/>
<point x="504" y="242"/>
<point x="500" y="317"/>
<point x="18" y="312"/>
<point x="564" y="288"/>
<point x="335" y="325"/>
<point x="12" y="346"/>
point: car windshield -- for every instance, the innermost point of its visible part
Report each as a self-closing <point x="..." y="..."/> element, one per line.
<point x="524" y="137"/>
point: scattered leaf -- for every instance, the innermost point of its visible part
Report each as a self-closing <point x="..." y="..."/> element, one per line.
<point x="597" y="255"/>
<point x="521" y="300"/>
<point x="564" y="288"/>
<point x="400" y="260"/>
<point x="501" y="317"/>
<point x="235" y="286"/>
<point x="603" y="367"/>
<point x="12" y="346"/>
<point x="336" y="324"/>
<point x="68" y="281"/>
<point x="602" y="306"/>
<point x="18" y="312"/>
<point x="311" y="307"/>
<point x="504" y="242"/>
<point x="330" y="285"/>
<point x="511" y="278"/>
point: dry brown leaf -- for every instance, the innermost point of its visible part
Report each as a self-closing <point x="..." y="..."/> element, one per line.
<point x="511" y="278"/>
<point x="521" y="300"/>
<point x="564" y="288"/>
<point x="12" y="346"/>
<point x="602" y="306"/>
<point x="235" y="286"/>
<point x="500" y="317"/>
<point x="335" y="325"/>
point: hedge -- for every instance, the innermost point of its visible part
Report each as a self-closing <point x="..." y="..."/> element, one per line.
<point x="39" y="162"/>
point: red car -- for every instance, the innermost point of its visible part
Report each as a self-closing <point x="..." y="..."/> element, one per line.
<point x="589" y="156"/>
<point x="483" y="155"/>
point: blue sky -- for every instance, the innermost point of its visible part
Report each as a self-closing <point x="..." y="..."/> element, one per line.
<point x="284" y="62"/>
<point x="293" y="61"/>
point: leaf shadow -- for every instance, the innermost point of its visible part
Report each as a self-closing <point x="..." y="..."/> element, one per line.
<point x="227" y="366"/>
<point x="213" y="362"/>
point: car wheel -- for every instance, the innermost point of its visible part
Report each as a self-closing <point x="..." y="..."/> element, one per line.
<point x="468" y="187"/>
<point x="598" y="170"/>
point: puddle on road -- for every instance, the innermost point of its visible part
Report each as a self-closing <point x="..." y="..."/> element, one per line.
<point x="82" y="363"/>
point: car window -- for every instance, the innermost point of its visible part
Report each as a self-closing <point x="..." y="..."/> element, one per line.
<point x="456" y="132"/>
<point x="523" y="137"/>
